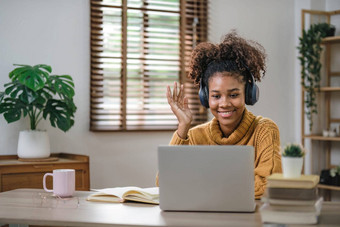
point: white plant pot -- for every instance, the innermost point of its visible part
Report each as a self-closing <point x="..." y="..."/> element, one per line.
<point x="33" y="144"/>
<point x="292" y="166"/>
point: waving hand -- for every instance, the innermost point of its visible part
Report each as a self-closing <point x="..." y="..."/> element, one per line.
<point x="179" y="106"/>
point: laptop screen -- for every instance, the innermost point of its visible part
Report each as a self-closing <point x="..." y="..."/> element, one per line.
<point x="206" y="178"/>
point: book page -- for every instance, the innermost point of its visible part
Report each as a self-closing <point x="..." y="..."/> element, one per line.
<point x="118" y="191"/>
<point x="147" y="195"/>
<point x="120" y="194"/>
<point x="103" y="197"/>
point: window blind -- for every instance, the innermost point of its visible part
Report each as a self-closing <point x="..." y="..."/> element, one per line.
<point x="137" y="48"/>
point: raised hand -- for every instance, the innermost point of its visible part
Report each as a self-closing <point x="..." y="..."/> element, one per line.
<point x="179" y="106"/>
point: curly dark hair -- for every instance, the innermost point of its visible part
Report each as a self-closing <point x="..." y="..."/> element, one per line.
<point x="234" y="54"/>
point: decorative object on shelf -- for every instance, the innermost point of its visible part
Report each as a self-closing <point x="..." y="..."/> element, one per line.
<point x="330" y="176"/>
<point x="325" y="133"/>
<point x="332" y="133"/>
<point x="335" y="175"/>
<point x="33" y="92"/>
<point x="329" y="133"/>
<point x="310" y="49"/>
<point x="292" y="160"/>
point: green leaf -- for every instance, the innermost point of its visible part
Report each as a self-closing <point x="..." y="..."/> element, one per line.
<point x="63" y="86"/>
<point x="293" y="150"/>
<point x="46" y="67"/>
<point x="34" y="77"/>
<point x="2" y="95"/>
<point x="17" y="90"/>
<point x="10" y="87"/>
<point x="59" y="114"/>
<point x="28" y="96"/>
<point x="11" y="109"/>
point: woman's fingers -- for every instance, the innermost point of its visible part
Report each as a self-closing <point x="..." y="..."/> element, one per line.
<point x="174" y="96"/>
<point x="179" y="104"/>
<point x="185" y="103"/>
<point x="168" y="94"/>
<point x="182" y="91"/>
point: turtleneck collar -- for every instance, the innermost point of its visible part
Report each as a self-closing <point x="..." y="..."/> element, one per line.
<point x="240" y="132"/>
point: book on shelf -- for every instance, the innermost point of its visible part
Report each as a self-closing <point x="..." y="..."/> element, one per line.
<point x="277" y="180"/>
<point x="122" y="194"/>
<point x="313" y="207"/>
<point x="292" y="203"/>
<point x="292" y="193"/>
<point x="289" y="202"/>
<point x="271" y="214"/>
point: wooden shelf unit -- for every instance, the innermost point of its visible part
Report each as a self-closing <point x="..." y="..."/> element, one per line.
<point x="331" y="40"/>
<point x="18" y="174"/>
<point x="322" y="138"/>
<point x="329" y="187"/>
<point x="328" y="89"/>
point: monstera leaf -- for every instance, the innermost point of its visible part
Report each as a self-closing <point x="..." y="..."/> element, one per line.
<point x="12" y="109"/>
<point x="33" y="77"/>
<point x="62" y="85"/>
<point x="61" y="115"/>
<point x="2" y="95"/>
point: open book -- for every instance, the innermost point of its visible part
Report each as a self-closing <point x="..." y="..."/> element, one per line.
<point x="122" y="194"/>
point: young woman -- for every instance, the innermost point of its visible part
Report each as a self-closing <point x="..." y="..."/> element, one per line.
<point x="226" y="74"/>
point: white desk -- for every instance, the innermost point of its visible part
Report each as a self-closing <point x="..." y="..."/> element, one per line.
<point x="24" y="206"/>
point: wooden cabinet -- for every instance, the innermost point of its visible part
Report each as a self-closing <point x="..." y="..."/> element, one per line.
<point x="18" y="174"/>
<point x="322" y="144"/>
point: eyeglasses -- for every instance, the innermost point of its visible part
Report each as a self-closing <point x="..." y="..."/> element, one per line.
<point x="47" y="200"/>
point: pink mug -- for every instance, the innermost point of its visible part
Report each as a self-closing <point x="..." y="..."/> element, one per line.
<point x="63" y="182"/>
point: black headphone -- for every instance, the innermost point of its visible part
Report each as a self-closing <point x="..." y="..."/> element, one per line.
<point x="252" y="91"/>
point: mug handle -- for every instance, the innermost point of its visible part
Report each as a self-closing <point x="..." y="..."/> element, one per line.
<point x="44" y="182"/>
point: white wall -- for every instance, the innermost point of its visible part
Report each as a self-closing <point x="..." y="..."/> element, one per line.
<point x="56" y="32"/>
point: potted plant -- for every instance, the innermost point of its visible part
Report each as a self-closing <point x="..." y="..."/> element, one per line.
<point x="292" y="160"/>
<point x="36" y="94"/>
<point x="310" y="50"/>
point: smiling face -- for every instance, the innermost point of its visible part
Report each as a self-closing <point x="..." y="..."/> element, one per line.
<point x="227" y="100"/>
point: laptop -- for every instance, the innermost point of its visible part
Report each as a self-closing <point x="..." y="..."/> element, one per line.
<point x="206" y="178"/>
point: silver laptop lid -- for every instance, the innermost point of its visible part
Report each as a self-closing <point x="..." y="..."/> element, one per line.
<point x="206" y="178"/>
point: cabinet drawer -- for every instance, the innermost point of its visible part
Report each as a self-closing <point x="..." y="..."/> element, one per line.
<point x="12" y="181"/>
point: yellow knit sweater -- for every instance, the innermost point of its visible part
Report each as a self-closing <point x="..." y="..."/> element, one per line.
<point x="259" y="132"/>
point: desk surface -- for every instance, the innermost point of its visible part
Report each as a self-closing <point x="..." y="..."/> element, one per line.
<point x="36" y="207"/>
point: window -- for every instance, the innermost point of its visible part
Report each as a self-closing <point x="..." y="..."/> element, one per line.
<point x="137" y="48"/>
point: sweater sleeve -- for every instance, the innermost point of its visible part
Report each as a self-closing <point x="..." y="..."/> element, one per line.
<point x="176" y="140"/>
<point x="267" y="156"/>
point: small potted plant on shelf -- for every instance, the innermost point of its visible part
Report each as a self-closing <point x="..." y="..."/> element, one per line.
<point x="36" y="94"/>
<point x="310" y="51"/>
<point x="292" y="160"/>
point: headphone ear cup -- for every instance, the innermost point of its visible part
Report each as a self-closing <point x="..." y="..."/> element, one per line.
<point x="256" y="94"/>
<point x="252" y="93"/>
<point x="203" y="94"/>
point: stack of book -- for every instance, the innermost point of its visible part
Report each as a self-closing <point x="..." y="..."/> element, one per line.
<point x="291" y="200"/>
